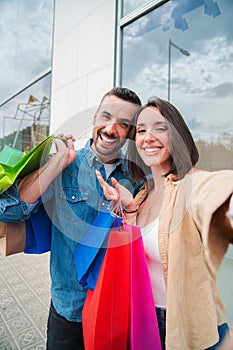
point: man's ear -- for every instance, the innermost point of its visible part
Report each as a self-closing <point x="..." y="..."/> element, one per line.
<point x="95" y="116"/>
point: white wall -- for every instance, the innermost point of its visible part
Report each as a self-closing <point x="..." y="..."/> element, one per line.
<point x="83" y="61"/>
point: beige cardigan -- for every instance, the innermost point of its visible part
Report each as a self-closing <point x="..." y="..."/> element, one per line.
<point x="194" y="234"/>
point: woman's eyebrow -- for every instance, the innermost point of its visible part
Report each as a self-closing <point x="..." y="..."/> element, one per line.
<point x="156" y="123"/>
<point x="161" y="123"/>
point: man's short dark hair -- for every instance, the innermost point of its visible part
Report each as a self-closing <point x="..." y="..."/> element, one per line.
<point x="124" y="94"/>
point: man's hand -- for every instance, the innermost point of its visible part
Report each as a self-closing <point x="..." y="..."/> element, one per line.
<point x="32" y="186"/>
<point x="65" y="149"/>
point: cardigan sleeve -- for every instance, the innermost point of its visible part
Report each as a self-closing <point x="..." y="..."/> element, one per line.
<point x="210" y="202"/>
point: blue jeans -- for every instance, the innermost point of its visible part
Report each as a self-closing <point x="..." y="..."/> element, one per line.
<point x="222" y="331"/>
<point x="63" y="334"/>
<point x="161" y="317"/>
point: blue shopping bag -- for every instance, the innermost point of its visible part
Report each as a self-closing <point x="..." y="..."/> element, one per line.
<point x="91" y="249"/>
<point x="38" y="232"/>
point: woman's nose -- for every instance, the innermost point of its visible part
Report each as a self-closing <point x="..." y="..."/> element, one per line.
<point x="149" y="136"/>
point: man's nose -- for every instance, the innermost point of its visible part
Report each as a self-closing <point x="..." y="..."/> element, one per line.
<point x="111" y="128"/>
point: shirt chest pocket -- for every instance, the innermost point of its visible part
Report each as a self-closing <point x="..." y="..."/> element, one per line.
<point x="72" y="206"/>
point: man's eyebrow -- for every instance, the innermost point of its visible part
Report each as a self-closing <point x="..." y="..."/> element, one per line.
<point x="106" y="113"/>
<point x="125" y="120"/>
<point x="121" y="120"/>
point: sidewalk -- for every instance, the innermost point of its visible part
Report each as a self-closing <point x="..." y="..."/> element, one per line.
<point x="24" y="301"/>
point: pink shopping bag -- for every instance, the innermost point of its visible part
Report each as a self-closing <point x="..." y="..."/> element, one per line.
<point x="143" y="326"/>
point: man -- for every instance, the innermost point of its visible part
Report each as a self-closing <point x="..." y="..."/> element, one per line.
<point x="68" y="183"/>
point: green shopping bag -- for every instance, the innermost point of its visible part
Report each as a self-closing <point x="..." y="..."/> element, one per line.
<point x="14" y="163"/>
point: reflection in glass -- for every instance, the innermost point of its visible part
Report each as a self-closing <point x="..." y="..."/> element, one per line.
<point x="201" y="84"/>
<point x="184" y="52"/>
<point x="26" y="43"/>
<point x="26" y="117"/>
<point x="131" y="5"/>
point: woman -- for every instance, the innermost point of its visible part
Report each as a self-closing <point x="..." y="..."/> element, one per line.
<point x="183" y="215"/>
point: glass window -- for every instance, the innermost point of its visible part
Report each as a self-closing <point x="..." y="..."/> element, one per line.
<point x="26" y="29"/>
<point x="131" y="5"/>
<point x="182" y="51"/>
<point x="25" y="118"/>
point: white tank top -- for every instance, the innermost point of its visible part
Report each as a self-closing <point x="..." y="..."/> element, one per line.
<point x="150" y="241"/>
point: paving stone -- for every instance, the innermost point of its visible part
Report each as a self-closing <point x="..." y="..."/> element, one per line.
<point x="24" y="301"/>
<point x="25" y="296"/>
<point x="4" y="333"/>
<point x="12" y="312"/>
<point x="19" y="324"/>
<point x="28" y="337"/>
<point x="38" y="346"/>
<point x="8" y="344"/>
<point x="7" y="302"/>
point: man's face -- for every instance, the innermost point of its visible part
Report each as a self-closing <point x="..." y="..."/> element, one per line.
<point x="111" y="126"/>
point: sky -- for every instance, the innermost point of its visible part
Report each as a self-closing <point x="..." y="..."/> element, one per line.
<point x="202" y="83"/>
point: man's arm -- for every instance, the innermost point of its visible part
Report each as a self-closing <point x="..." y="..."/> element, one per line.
<point x="32" y="186"/>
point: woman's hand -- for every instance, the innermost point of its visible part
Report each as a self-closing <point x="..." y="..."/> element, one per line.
<point x="116" y="193"/>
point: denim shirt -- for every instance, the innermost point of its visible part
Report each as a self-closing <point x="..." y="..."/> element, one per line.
<point x="72" y="201"/>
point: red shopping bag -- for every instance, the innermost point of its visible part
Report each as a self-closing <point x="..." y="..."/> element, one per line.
<point x="143" y="325"/>
<point x="120" y="313"/>
<point x="105" y="316"/>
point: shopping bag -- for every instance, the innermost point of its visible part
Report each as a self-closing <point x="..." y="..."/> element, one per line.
<point x="13" y="238"/>
<point x="105" y="316"/>
<point x="38" y="232"/>
<point x="143" y="325"/>
<point x="14" y="163"/>
<point x="91" y="249"/>
<point x="32" y="236"/>
<point x="123" y="283"/>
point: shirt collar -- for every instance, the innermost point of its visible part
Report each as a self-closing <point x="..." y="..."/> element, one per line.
<point x="92" y="158"/>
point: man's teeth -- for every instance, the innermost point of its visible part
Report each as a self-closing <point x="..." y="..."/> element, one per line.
<point x="106" y="139"/>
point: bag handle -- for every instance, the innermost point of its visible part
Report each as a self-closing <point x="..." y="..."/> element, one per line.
<point x="118" y="210"/>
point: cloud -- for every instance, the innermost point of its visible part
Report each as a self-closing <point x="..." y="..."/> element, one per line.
<point x="25" y="43"/>
<point x="222" y="90"/>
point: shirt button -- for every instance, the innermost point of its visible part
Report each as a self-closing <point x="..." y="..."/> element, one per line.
<point x="103" y="204"/>
<point x="73" y="197"/>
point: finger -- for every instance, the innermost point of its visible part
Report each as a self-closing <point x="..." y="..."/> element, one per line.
<point x="70" y="137"/>
<point x="59" y="143"/>
<point x="100" y="178"/>
<point x="110" y="193"/>
<point x="70" y="143"/>
<point x="114" y="182"/>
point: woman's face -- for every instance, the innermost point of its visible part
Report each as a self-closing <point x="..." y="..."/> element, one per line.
<point x="153" y="139"/>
